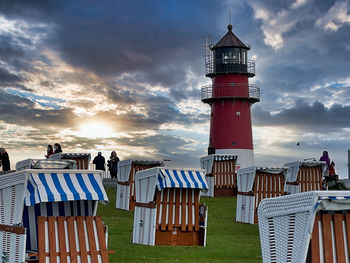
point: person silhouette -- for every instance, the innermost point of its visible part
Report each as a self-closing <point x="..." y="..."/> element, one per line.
<point x="99" y="162"/>
<point x="5" y="160"/>
<point x="113" y="164"/>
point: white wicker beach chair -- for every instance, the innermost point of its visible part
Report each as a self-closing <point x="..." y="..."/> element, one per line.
<point x="168" y="209"/>
<point x="220" y="175"/>
<point x="255" y="184"/>
<point x="286" y="226"/>
<point x="12" y="236"/>
<point x="45" y="164"/>
<point x="82" y="159"/>
<point x="125" y="194"/>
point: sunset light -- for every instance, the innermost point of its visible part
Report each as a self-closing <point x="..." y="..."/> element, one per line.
<point x="95" y="130"/>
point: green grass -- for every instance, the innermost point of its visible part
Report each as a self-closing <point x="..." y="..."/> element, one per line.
<point x="227" y="241"/>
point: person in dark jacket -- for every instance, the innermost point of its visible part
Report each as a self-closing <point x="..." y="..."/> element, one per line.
<point x="57" y="147"/>
<point x="5" y="160"/>
<point x="99" y="161"/>
<point x="325" y="158"/>
<point x="113" y="164"/>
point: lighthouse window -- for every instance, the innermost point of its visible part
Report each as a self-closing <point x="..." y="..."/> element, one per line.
<point x="244" y="57"/>
<point x="228" y="56"/>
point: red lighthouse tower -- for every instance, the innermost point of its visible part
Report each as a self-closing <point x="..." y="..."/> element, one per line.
<point x="230" y="97"/>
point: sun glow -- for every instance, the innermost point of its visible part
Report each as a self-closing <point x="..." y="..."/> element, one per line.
<point x="95" y="130"/>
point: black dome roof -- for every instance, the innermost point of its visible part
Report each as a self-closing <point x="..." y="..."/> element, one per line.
<point x="230" y="40"/>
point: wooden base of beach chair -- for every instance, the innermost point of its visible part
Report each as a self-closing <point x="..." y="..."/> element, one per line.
<point x="177" y="237"/>
<point x="225" y="192"/>
<point x="85" y="237"/>
<point x="132" y="205"/>
<point x="178" y="219"/>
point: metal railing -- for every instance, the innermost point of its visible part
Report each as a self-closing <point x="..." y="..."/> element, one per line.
<point x="229" y="66"/>
<point x="231" y="90"/>
<point x="106" y="173"/>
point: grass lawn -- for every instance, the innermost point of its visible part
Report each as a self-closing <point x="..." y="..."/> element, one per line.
<point x="227" y="241"/>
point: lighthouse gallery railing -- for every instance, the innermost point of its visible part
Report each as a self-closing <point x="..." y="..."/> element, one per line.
<point x="229" y="66"/>
<point x="236" y="90"/>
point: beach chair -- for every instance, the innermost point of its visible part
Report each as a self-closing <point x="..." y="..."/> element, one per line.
<point x="12" y="235"/>
<point x="254" y="185"/>
<point x="45" y="164"/>
<point x="167" y="208"/>
<point x="125" y="194"/>
<point x="7" y="172"/>
<point x="306" y="227"/>
<point x="82" y="159"/>
<point x="27" y="194"/>
<point x="59" y="193"/>
<point x="304" y="176"/>
<point x="220" y="174"/>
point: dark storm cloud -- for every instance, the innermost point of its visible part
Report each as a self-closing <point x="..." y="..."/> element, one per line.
<point x="310" y="55"/>
<point x="11" y="53"/>
<point x="314" y="5"/>
<point x="120" y="97"/>
<point x="161" y="110"/>
<point x="22" y="111"/>
<point x="166" y="75"/>
<point x="158" y="110"/>
<point x="19" y="42"/>
<point x="30" y="10"/>
<point x="7" y="78"/>
<point x="299" y="67"/>
<point x="125" y="35"/>
<point x="9" y="48"/>
<point x="312" y="118"/>
<point x="128" y="37"/>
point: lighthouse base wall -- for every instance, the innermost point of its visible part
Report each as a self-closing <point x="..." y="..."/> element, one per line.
<point x="245" y="157"/>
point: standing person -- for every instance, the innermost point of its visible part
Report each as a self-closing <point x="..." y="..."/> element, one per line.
<point x="113" y="164"/>
<point x="49" y="151"/>
<point x="332" y="170"/>
<point x="99" y="161"/>
<point x="57" y="147"/>
<point x="5" y="160"/>
<point x="325" y="158"/>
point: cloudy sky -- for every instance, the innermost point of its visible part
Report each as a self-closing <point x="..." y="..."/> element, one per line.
<point x="126" y="75"/>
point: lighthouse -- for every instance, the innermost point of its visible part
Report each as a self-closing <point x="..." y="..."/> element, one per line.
<point x="230" y="97"/>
